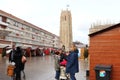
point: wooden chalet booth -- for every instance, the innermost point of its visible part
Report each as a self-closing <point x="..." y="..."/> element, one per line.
<point x="105" y="49"/>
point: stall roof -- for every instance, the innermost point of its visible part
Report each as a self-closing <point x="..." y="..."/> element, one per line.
<point x="106" y="29"/>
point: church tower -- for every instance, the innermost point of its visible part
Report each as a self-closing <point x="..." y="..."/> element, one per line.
<point x="66" y="29"/>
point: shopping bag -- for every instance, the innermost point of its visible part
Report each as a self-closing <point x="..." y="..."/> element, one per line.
<point x="10" y="70"/>
<point x="24" y="59"/>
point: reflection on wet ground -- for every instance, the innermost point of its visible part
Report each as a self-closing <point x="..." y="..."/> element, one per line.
<point x="41" y="68"/>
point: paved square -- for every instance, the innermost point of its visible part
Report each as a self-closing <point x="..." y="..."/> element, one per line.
<point x="41" y="68"/>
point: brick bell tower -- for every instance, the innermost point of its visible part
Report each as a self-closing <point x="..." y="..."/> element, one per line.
<point x="66" y="29"/>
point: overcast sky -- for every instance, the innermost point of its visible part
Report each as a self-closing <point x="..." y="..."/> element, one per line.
<point x="46" y="14"/>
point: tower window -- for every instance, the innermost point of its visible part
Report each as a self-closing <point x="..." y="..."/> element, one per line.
<point x="65" y="18"/>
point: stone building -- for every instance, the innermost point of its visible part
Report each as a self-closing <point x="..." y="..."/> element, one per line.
<point x="97" y="27"/>
<point x="104" y="49"/>
<point x="66" y="28"/>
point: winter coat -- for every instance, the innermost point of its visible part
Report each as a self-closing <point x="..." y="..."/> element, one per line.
<point x="10" y="56"/>
<point x="62" y="57"/>
<point x="57" y="62"/>
<point x="18" y="61"/>
<point x="72" y="65"/>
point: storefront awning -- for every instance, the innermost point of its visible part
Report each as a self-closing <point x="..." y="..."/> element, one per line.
<point x="5" y="45"/>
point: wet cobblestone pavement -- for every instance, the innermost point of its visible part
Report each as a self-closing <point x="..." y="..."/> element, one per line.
<point x="41" y="68"/>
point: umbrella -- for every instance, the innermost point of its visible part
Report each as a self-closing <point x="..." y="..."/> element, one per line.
<point x="8" y="51"/>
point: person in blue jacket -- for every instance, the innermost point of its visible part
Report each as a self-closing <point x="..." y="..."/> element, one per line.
<point x="72" y="65"/>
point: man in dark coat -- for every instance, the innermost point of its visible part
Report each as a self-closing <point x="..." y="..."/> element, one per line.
<point x="11" y="55"/>
<point x="72" y="66"/>
<point x="18" y="63"/>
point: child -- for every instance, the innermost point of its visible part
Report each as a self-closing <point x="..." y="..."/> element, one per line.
<point x="57" y="65"/>
<point x="63" y="75"/>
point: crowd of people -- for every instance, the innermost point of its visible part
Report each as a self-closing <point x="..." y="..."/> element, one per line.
<point x="66" y="63"/>
<point x="15" y="56"/>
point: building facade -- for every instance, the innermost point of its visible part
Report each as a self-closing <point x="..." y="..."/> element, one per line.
<point x="98" y="27"/>
<point x="66" y="29"/>
<point x="104" y="49"/>
<point x="23" y="33"/>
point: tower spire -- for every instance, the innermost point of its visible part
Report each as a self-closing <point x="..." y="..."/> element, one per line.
<point x="67" y="6"/>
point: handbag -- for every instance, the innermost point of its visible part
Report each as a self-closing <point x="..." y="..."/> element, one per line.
<point x="24" y="59"/>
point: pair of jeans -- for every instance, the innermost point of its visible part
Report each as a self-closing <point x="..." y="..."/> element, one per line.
<point x="72" y="76"/>
<point x="57" y="75"/>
